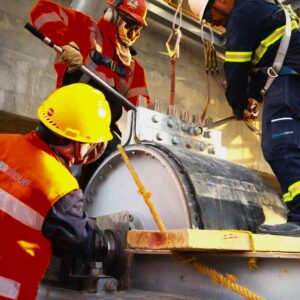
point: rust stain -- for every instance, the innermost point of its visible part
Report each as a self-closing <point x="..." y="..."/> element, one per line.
<point x="156" y="239"/>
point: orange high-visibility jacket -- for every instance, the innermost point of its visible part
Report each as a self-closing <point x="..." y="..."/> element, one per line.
<point x="64" y="25"/>
<point x="32" y="179"/>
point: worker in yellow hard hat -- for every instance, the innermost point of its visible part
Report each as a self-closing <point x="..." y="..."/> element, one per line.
<point x="41" y="205"/>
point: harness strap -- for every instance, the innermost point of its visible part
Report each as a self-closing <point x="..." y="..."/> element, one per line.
<point x="283" y="71"/>
<point x="174" y="55"/>
<point x="100" y="59"/>
<point x="281" y="53"/>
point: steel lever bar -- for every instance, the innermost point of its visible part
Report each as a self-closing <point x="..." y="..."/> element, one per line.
<point x="83" y="68"/>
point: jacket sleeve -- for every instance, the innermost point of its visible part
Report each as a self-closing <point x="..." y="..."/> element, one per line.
<point x="52" y="20"/>
<point x="138" y="85"/>
<point x="68" y="227"/>
<point x="60" y="24"/>
<point x="242" y="40"/>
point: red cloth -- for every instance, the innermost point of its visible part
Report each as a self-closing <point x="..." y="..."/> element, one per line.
<point x="64" y="25"/>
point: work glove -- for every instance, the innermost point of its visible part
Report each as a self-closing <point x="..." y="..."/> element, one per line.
<point x="251" y="112"/>
<point x="72" y="57"/>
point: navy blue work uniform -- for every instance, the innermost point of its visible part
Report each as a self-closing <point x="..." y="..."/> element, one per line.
<point x="254" y="31"/>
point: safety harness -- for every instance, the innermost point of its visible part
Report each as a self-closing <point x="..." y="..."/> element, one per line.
<point x="274" y="70"/>
<point x="283" y="32"/>
<point x="277" y="68"/>
<point x="100" y="59"/>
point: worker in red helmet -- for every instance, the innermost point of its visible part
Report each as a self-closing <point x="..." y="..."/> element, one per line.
<point x="135" y="9"/>
<point x="41" y="205"/>
<point x="105" y="47"/>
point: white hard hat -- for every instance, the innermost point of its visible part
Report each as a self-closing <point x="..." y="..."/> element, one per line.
<point x="198" y="7"/>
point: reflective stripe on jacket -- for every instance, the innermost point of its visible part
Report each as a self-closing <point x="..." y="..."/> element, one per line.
<point x="256" y="56"/>
<point x="254" y="30"/>
<point x="32" y="179"/>
<point x="65" y="25"/>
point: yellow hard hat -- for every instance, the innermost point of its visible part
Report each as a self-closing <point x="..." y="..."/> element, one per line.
<point x="78" y="112"/>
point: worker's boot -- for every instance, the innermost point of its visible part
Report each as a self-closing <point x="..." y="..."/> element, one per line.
<point x="287" y="229"/>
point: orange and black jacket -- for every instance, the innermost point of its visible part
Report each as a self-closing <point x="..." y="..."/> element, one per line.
<point x="33" y="186"/>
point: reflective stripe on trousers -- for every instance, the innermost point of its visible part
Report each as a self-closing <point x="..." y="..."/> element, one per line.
<point x="293" y="191"/>
<point x="9" y="288"/>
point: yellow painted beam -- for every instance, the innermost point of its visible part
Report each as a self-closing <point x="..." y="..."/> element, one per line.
<point x="202" y="240"/>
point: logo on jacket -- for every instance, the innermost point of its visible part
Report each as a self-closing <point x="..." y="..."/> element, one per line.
<point x="14" y="175"/>
<point x="133" y="3"/>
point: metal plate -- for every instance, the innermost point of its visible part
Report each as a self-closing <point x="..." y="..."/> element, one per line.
<point x="112" y="189"/>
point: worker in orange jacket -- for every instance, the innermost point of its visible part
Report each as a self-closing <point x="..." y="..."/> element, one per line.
<point x="105" y="47"/>
<point x="41" y="205"/>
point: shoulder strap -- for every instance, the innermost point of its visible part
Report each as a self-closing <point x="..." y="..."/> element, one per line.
<point x="281" y="53"/>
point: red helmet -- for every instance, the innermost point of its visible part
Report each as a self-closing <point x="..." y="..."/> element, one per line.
<point x="136" y="9"/>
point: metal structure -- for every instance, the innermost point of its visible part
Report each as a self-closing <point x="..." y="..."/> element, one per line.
<point x="181" y="163"/>
<point x="190" y="186"/>
<point x="92" y="8"/>
<point x="190" y="189"/>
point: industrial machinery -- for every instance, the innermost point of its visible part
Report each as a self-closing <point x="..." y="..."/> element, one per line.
<point x="191" y="187"/>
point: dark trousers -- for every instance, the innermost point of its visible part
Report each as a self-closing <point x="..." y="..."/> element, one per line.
<point x="281" y="135"/>
<point x="287" y="172"/>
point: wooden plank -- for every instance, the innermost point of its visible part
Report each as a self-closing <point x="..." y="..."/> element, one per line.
<point x="218" y="240"/>
<point x="225" y="253"/>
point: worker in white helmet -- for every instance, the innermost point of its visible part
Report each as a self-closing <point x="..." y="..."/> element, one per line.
<point x="254" y="71"/>
<point x="41" y="205"/>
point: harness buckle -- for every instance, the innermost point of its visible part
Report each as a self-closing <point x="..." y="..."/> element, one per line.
<point x="113" y="66"/>
<point x="272" y="72"/>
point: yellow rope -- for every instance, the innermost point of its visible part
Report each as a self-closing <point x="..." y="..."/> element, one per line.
<point x="252" y="261"/>
<point x="229" y="280"/>
<point x="250" y="234"/>
<point x="141" y="189"/>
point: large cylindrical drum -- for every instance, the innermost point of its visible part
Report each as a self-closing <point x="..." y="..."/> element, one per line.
<point x="188" y="190"/>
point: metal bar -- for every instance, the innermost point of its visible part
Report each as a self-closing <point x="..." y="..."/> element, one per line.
<point x="220" y="122"/>
<point x="83" y="68"/>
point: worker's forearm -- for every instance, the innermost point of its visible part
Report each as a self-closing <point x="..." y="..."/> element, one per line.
<point x="68" y="227"/>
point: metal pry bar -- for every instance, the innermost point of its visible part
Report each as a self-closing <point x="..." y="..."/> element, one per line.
<point x="83" y="68"/>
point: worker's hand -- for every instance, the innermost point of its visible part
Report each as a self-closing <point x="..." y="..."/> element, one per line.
<point x="71" y="56"/>
<point x="251" y="112"/>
